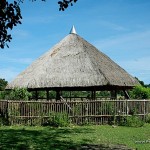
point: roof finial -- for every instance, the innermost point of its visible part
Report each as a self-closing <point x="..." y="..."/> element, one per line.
<point x="73" y="30"/>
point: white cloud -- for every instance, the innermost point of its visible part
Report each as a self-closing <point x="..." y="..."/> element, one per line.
<point x="8" y="73"/>
<point x="16" y="60"/>
<point x="140" y="63"/>
<point x="129" y="41"/>
<point x="111" y="25"/>
<point x="139" y="68"/>
<point x="20" y="34"/>
<point x="38" y="20"/>
<point x="8" y="70"/>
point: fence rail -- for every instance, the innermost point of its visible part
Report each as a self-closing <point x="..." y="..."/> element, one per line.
<point x="97" y="112"/>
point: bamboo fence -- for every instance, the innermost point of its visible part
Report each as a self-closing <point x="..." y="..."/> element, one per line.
<point x="79" y="112"/>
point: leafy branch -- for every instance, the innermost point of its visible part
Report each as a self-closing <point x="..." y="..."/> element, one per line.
<point x="10" y="16"/>
<point x="65" y="3"/>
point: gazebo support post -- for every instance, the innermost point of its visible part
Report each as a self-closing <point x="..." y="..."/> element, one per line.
<point x="58" y="94"/>
<point x="47" y="95"/>
<point x="113" y="94"/>
<point x="36" y="95"/>
<point x="70" y="96"/>
<point x="93" y="94"/>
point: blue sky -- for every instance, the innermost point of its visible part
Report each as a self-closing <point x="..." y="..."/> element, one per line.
<point x="118" y="28"/>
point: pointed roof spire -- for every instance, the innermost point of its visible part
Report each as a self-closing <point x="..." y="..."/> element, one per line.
<point x="73" y="30"/>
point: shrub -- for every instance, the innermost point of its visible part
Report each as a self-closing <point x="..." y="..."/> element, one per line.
<point x="147" y="119"/>
<point x="140" y="92"/>
<point x="131" y="121"/>
<point x="3" y="84"/>
<point x="19" y="94"/>
<point x="134" y="121"/>
<point x="57" y="120"/>
<point x="3" y="121"/>
<point x="2" y="94"/>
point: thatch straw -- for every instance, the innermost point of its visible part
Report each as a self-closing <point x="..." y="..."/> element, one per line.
<point x="73" y="62"/>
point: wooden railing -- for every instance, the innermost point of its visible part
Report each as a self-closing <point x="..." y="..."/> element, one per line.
<point x="97" y="112"/>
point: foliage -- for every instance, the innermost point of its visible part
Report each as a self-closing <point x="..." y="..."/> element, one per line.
<point x="85" y="94"/>
<point x="103" y="94"/>
<point x="147" y="119"/>
<point x="141" y="82"/>
<point x="74" y="94"/>
<point x="129" y="121"/>
<point x="58" y="120"/>
<point x="65" y="3"/>
<point x="140" y="92"/>
<point x="147" y="85"/>
<point x="41" y="94"/>
<point x="66" y="94"/>
<point x="132" y="121"/>
<point x="3" y="84"/>
<point x="3" y="121"/>
<point x="52" y="94"/>
<point x="2" y="94"/>
<point x="10" y="16"/>
<point x="19" y="94"/>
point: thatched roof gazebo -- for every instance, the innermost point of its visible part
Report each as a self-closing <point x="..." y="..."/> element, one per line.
<point x="74" y="64"/>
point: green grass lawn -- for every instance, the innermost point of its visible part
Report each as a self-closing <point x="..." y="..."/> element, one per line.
<point x="47" y="138"/>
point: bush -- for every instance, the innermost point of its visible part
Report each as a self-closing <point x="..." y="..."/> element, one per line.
<point x="19" y="94"/>
<point x="3" y="121"/>
<point x="57" y="120"/>
<point x="140" y="92"/>
<point x="134" y="121"/>
<point x="147" y="119"/>
<point x="131" y="121"/>
<point x="2" y="94"/>
<point x="3" y="84"/>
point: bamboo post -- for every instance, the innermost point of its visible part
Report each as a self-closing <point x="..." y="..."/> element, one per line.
<point x="144" y="111"/>
<point x="7" y="113"/>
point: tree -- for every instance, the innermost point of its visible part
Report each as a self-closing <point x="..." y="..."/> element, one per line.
<point x="141" y="82"/>
<point x="3" y="84"/>
<point x="10" y="16"/>
<point x="19" y="94"/>
<point x="65" y="3"/>
<point x="140" y="92"/>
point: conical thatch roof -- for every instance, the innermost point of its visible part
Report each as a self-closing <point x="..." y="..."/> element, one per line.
<point x="73" y="62"/>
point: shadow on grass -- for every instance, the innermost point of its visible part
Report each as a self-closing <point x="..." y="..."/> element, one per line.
<point x="45" y="139"/>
